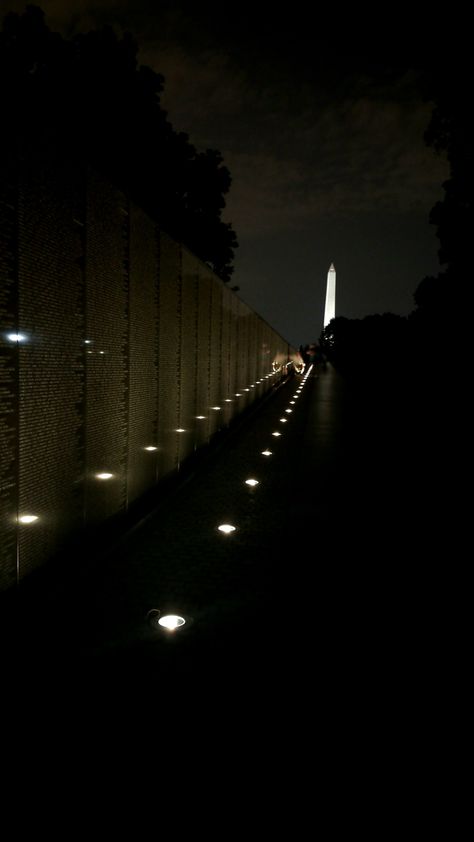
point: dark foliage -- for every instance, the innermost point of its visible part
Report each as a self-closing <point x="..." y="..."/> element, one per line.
<point x="450" y="131"/>
<point x="376" y="345"/>
<point x="88" y="96"/>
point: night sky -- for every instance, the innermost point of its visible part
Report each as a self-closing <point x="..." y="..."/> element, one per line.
<point x="320" y="123"/>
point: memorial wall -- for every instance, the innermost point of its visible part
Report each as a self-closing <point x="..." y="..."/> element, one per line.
<point x="121" y="353"/>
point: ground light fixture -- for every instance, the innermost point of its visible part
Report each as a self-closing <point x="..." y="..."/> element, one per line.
<point x="180" y="430"/>
<point x="283" y="420"/>
<point x="226" y="528"/>
<point x="216" y="408"/>
<point x="251" y="482"/>
<point x="168" y="622"/>
<point x="200" y="417"/>
<point x="288" y="410"/>
<point x="276" y="434"/>
<point x="292" y="402"/>
<point x="267" y="453"/>
<point x="171" y="622"/>
<point x="151" y="448"/>
<point x="27" y="519"/>
<point x="104" y="475"/>
<point x="16" y="337"/>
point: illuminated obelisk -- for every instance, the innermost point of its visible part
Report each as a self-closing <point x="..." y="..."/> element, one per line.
<point x="330" y="309"/>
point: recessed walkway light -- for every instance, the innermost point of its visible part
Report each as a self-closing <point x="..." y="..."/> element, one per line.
<point x="226" y="528"/>
<point x="276" y="434"/>
<point x="283" y="420"/>
<point x="151" y="447"/>
<point x="266" y="453"/>
<point x="28" y="518"/>
<point x="292" y="402"/>
<point x="246" y="390"/>
<point x="238" y="395"/>
<point x="180" y="430"/>
<point x="16" y="337"/>
<point x="228" y="400"/>
<point x="171" y="621"/>
<point x="200" y="417"/>
<point x="215" y="407"/>
<point x="288" y="410"/>
<point x="105" y="475"/>
<point x="251" y="482"/>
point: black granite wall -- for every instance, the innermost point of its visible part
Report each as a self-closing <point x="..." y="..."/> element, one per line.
<point x="120" y="354"/>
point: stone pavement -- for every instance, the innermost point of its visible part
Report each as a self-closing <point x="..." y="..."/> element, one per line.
<point x="311" y="585"/>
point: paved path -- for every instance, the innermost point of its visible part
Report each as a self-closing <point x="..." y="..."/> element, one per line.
<point x="319" y="582"/>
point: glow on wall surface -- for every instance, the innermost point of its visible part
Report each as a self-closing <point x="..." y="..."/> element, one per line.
<point x="122" y="353"/>
<point x="330" y="308"/>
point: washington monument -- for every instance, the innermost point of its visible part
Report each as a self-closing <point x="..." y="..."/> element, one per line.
<point x="330" y="309"/>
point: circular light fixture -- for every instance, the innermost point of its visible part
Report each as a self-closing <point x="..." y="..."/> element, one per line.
<point x="238" y="395"/>
<point x="228" y="400"/>
<point x="151" y="447"/>
<point x="251" y="482"/>
<point x="27" y="518"/>
<point x="105" y="475"/>
<point x="16" y="337"/>
<point x="215" y="407"/>
<point x="226" y="528"/>
<point x="246" y="390"/>
<point x="292" y="402"/>
<point x="200" y="417"/>
<point x="283" y="420"/>
<point x="171" y="621"/>
<point x="180" y="430"/>
<point x="288" y="410"/>
<point x="266" y="452"/>
<point x="276" y="434"/>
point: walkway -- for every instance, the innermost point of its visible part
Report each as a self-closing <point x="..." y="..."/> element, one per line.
<point x="321" y="576"/>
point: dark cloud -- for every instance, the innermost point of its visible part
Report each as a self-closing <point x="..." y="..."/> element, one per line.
<point x="322" y="133"/>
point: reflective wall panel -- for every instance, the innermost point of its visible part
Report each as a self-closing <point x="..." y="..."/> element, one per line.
<point x="106" y="334"/>
<point x="169" y="354"/>
<point x="9" y="345"/>
<point x="142" y="463"/>
<point x="51" y="359"/>
<point x="121" y="353"/>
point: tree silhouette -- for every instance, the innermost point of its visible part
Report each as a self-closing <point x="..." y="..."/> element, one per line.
<point x="450" y="131"/>
<point x="88" y="97"/>
<point x="376" y="344"/>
